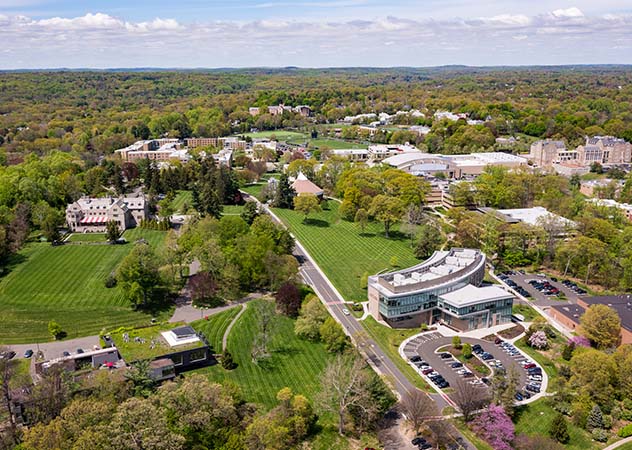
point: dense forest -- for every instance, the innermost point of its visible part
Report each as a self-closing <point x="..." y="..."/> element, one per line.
<point x="94" y="113"/>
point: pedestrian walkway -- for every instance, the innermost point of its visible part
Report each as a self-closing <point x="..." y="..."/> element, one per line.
<point x="619" y="443"/>
<point x="230" y="326"/>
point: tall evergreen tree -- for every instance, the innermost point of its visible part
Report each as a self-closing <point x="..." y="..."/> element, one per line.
<point x="285" y="193"/>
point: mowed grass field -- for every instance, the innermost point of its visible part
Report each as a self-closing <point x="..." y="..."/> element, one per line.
<point x="295" y="363"/>
<point x="215" y="327"/>
<point x="182" y="199"/>
<point x="343" y="252"/>
<point x="66" y="284"/>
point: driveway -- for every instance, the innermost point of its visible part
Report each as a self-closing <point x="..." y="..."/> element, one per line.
<point x="55" y="349"/>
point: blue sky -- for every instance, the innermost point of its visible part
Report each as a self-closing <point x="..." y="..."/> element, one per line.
<point x="312" y="33"/>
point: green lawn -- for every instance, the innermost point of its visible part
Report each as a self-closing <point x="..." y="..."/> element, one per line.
<point x="627" y="446"/>
<point x="280" y="135"/>
<point x="254" y="189"/>
<point x="87" y="237"/>
<point x="215" y="326"/>
<point x="294" y="363"/>
<point x="66" y="283"/>
<point x="389" y="340"/>
<point x="528" y="312"/>
<point x="232" y="210"/>
<point x="536" y="417"/>
<point x="343" y="252"/>
<point x="333" y="144"/>
<point x="179" y="202"/>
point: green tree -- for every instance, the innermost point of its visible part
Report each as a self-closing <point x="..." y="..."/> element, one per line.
<point x="138" y="276"/>
<point x="285" y="193"/>
<point x="456" y="342"/>
<point x="595" y="419"/>
<point x="112" y="232"/>
<point x="467" y="351"/>
<point x="311" y="317"/>
<point x="140" y="376"/>
<point x="429" y="240"/>
<point x="364" y="280"/>
<point x="55" y="329"/>
<point x="558" y="429"/>
<point x="602" y="326"/>
<point x="361" y="219"/>
<point x="387" y="210"/>
<point x="306" y="204"/>
<point x="250" y="212"/>
<point x="333" y="336"/>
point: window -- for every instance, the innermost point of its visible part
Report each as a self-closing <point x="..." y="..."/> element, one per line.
<point x="197" y="355"/>
<point x="177" y="359"/>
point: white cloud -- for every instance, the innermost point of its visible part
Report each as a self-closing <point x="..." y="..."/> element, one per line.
<point x="101" y="40"/>
<point x="568" y="12"/>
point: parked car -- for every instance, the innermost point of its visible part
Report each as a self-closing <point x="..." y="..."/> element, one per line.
<point x="519" y="396"/>
<point x="467" y="374"/>
<point x="345" y="311"/>
<point x="446" y="355"/>
<point x="427" y="371"/>
<point x="28" y="353"/>
<point x="498" y="341"/>
<point x="456" y="365"/>
<point x="66" y="353"/>
<point x="7" y="355"/>
<point x="418" y="440"/>
<point x="79" y="350"/>
<point x="415" y="358"/>
<point x="487" y="356"/>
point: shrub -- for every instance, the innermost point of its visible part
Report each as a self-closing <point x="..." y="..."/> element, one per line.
<point x="227" y="361"/>
<point x="424" y="327"/>
<point x="456" y="342"/>
<point x="467" y="351"/>
<point x="110" y="281"/>
<point x="626" y="431"/>
<point x="599" y="435"/>
<point x="55" y="330"/>
<point x="559" y="429"/>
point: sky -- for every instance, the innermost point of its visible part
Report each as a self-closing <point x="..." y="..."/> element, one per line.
<point x="312" y="33"/>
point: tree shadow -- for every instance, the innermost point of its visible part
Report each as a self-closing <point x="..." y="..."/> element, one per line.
<point x="316" y="222"/>
<point x="286" y="350"/>
<point x="365" y="234"/>
<point x="11" y="263"/>
<point x="268" y="364"/>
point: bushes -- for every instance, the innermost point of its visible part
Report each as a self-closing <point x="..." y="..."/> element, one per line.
<point x="110" y="281"/>
<point x="600" y="435"/>
<point x="626" y="431"/>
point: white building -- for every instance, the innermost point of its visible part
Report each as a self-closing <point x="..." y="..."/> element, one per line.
<point x="536" y="216"/>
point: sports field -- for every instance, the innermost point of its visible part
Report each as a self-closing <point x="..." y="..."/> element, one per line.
<point x="66" y="283"/>
<point x="343" y="252"/>
<point x="294" y="363"/>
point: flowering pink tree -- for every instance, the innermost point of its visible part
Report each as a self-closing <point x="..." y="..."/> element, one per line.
<point x="496" y="427"/>
<point x="539" y="340"/>
<point x="579" y="341"/>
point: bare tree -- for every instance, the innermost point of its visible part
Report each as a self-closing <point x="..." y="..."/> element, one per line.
<point x="417" y="407"/>
<point x="469" y="398"/>
<point x="345" y="382"/>
<point x="266" y="321"/>
<point x="7" y="371"/>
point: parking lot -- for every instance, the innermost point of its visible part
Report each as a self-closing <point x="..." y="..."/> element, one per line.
<point x="520" y="282"/>
<point x="442" y="370"/>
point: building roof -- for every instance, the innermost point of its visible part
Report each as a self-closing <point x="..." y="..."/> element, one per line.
<point x="535" y="215"/>
<point x="573" y="312"/>
<point x="161" y="363"/>
<point x="410" y="158"/>
<point x="303" y="186"/>
<point x="470" y="295"/>
<point x="442" y="267"/>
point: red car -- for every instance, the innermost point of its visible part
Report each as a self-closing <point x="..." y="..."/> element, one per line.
<point x="427" y="371"/>
<point x="529" y="366"/>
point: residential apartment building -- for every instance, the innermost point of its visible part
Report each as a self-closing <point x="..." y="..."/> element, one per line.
<point x="91" y="215"/>
<point x="625" y="208"/>
<point x="153" y="149"/>
<point x="444" y="289"/>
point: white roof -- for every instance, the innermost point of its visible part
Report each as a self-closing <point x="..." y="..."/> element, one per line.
<point x="173" y="340"/>
<point x="534" y="216"/>
<point x="409" y="157"/>
<point x="471" y="295"/>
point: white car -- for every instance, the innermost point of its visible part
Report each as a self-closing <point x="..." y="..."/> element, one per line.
<point x="345" y="311"/>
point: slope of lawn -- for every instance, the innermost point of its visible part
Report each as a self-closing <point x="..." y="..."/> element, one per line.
<point x="343" y="252"/>
<point x="294" y="363"/>
<point x="535" y="418"/>
<point x="215" y="326"/>
<point x="66" y="284"/>
<point x="182" y="198"/>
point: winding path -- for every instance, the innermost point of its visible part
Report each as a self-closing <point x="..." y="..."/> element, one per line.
<point x="230" y="326"/>
<point x="619" y="443"/>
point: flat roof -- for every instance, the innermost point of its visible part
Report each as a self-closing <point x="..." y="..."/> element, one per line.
<point x="534" y="216"/>
<point x="622" y="304"/>
<point x="472" y="295"/>
<point x="573" y="312"/>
